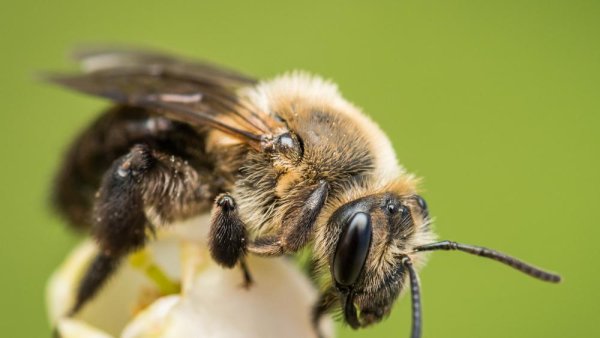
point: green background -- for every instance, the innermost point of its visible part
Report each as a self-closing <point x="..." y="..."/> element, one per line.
<point x="495" y="103"/>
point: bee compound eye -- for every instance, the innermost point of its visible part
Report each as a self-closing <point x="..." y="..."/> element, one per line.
<point x="352" y="249"/>
<point x="423" y="205"/>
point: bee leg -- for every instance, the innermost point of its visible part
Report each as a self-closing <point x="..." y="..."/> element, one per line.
<point x="246" y="272"/>
<point x="297" y="226"/>
<point x="227" y="236"/>
<point x="268" y="246"/>
<point x="323" y="305"/>
<point x="111" y="136"/>
<point x="298" y="222"/>
<point x="142" y="188"/>
<point x="102" y="266"/>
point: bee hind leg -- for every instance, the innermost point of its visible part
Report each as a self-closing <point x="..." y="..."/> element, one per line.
<point x="101" y="267"/>
<point x="141" y="189"/>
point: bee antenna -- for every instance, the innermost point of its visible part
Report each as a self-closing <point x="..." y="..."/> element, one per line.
<point x="415" y="293"/>
<point x="495" y="255"/>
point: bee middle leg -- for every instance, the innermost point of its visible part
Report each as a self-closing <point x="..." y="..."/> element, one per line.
<point x="227" y="236"/>
<point x="143" y="188"/>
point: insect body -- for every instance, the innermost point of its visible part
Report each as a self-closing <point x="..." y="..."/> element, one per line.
<point x="283" y="164"/>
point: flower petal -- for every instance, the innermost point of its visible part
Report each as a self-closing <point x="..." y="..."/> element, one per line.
<point x="72" y="328"/>
<point x="150" y="322"/>
<point x="212" y="304"/>
<point x="278" y="304"/>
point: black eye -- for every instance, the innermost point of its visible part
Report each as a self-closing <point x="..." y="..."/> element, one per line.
<point x="423" y="205"/>
<point x="352" y="249"/>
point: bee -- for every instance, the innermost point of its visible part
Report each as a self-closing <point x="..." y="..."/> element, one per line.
<point x="282" y="165"/>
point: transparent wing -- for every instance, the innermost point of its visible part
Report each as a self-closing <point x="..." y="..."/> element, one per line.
<point x="193" y="92"/>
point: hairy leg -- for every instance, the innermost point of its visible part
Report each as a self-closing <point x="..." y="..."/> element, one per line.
<point x="142" y="189"/>
<point x="227" y="236"/>
<point x="297" y="226"/>
<point x="110" y="136"/>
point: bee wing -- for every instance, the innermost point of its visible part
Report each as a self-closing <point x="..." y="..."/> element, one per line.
<point x="94" y="59"/>
<point x="192" y="92"/>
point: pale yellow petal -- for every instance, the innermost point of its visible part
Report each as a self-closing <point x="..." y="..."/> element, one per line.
<point x="72" y="328"/>
<point x="212" y="304"/>
<point x="150" y="323"/>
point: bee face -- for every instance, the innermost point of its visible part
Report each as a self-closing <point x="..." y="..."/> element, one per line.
<point x="375" y="233"/>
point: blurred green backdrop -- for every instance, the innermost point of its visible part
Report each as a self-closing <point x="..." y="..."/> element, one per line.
<point x="495" y="103"/>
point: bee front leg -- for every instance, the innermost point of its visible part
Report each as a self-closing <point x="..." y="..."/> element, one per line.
<point x="297" y="225"/>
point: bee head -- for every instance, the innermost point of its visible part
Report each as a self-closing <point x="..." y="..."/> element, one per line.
<point x="375" y="233"/>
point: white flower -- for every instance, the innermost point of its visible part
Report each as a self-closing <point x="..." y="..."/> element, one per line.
<point x="211" y="303"/>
